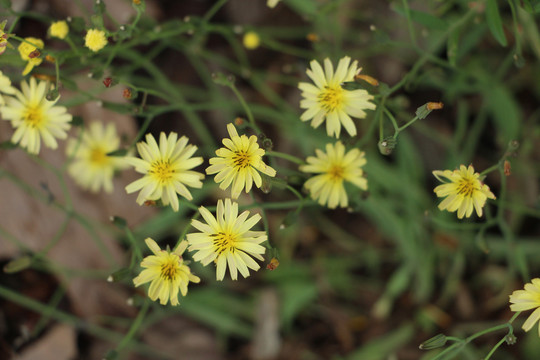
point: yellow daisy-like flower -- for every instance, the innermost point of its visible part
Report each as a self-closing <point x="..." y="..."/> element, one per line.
<point x="239" y="163"/>
<point x="166" y="168"/>
<point x="59" y="29"/>
<point x="92" y="168"/>
<point x="251" y="40"/>
<point x="327" y="100"/>
<point x="167" y="273"/>
<point x="528" y="299"/>
<point x="28" y="50"/>
<point x="5" y="87"/>
<point x="34" y="117"/>
<point x="227" y="239"/>
<point x="463" y="193"/>
<point x="334" y="167"/>
<point x="95" y="40"/>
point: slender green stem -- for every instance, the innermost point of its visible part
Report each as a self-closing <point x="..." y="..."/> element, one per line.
<point x="286" y="156"/>
<point x="134" y="326"/>
<point x="409" y="22"/>
<point x="134" y="244"/>
<point x="245" y="107"/>
<point x="214" y="10"/>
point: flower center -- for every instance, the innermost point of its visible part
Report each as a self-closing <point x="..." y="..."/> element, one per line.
<point x="466" y="187"/>
<point x="241" y="159"/>
<point x="223" y="241"/>
<point x="98" y="156"/>
<point x="336" y="172"/>
<point x="162" y="171"/>
<point x="33" y="116"/>
<point x="331" y="98"/>
<point x="170" y="268"/>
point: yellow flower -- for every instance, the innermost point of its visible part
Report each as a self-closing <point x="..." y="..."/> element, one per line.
<point x="528" y="299"/>
<point x="166" y="169"/>
<point x="3" y="37"/>
<point x="59" y="29"/>
<point x="167" y="273"/>
<point x="463" y="193"/>
<point x="91" y="167"/>
<point x="34" y="117"/>
<point x="327" y="100"/>
<point x="29" y="51"/>
<point x="5" y="87"/>
<point x="239" y="163"/>
<point x="272" y="3"/>
<point x="251" y="40"/>
<point x="95" y="40"/>
<point x="334" y="167"/>
<point x="227" y="239"/>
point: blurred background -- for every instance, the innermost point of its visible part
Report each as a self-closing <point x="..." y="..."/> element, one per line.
<point x="372" y="281"/>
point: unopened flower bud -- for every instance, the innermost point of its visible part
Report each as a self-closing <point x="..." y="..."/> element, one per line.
<point x="434" y="105"/>
<point x="369" y="79"/>
<point x="127" y="93"/>
<point x="386" y="146"/>
<point x="18" y="264"/>
<point x="273" y="264"/>
<point x="50" y="59"/>
<point x="507" y="168"/>
<point x="312" y="37"/>
<point x="434" y="343"/>
<point x="107" y="82"/>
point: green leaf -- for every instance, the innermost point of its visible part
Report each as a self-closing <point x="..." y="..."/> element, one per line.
<point x="303" y="7"/>
<point x="494" y="22"/>
<point x="504" y="110"/>
<point x="382" y="347"/>
<point x="452" y="47"/>
<point x="429" y="21"/>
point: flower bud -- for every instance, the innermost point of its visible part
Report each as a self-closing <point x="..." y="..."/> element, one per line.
<point x="386" y="146"/>
<point x="434" y="343"/>
<point x="18" y="264"/>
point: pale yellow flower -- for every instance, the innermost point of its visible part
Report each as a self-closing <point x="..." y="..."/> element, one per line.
<point x="239" y="163"/>
<point x="464" y="192"/>
<point x="328" y="100"/>
<point x="334" y="168"/>
<point x="167" y="273"/>
<point x="59" y="29"/>
<point x="95" y="40"/>
<point x="166" y="168"/>
<point x="251" y="40"/>
<point x="91" y="167"/>
<point x="528" y="299"/>
<point x="34" y="117"/>
<point x="28" y="50"/>
<point x="227" y="240"/>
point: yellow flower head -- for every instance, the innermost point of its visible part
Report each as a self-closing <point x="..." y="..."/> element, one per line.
<point x="95" y="40"/>
<point x="334" y="167"/>
<point x="166" y="168"/>
<point x="528" y="299"/>
<point x="29" y="51"/>
<point x="251" y="40"/>
<point x="327" y="100"/>
<point x="3" y="38"/>
<point x="59" y="29"/>
<point x="463" y="193"/>
<point x="167" y="273"/>
<point x="34" y="117"/>
<point x="227" y="239"/>
<point x="239" y="163"/>
<point x="91" y="167"/>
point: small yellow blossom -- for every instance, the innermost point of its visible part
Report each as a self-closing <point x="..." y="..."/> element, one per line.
<point x="28" y="49"/>
<point x="91" y="167"/>
<point x="59" y="29"/>
<point x="167" y="273"/>
<point x="334" y="168"/>
<point x="272" y="3"/>
<point x="3" y="38"/>
<point x="34" y="117"/>
<point x="239" y="163"/>
<point x="95" y="40"/>
<point x="166" y="168"/>
<point x="523" y="300"/>
<point x="227" y="240"/>
<point x="464" y="193"/>
<point x="328" y="100"/>
<point x="251" y="40"/>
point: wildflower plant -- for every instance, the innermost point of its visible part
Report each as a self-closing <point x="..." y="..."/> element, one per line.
<point x="318" y="205"/>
